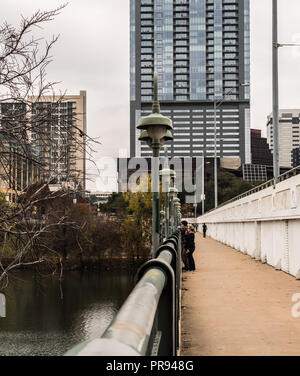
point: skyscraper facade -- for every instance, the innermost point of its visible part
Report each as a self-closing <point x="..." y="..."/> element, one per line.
<point x="201" y="51"/>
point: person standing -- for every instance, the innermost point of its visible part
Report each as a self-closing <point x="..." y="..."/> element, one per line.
<point x="190" y="247"/>
<point x="183" y="228"/>
<point x="204" y="228"/>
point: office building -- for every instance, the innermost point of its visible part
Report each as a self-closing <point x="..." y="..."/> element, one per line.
<point x="20" y="164"/>
<point x="261" y="167"/>
<point x="288" y="134"/>
<point x="98" y="197"/>
<point x="296" y="157"/>
<point x="260" y="151"/>
<point x="201" y="51"/>
<point x="58" y="133"/>
<point x="19" y="169"/>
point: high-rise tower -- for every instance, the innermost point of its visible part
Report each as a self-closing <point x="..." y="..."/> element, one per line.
<point x="201" y="51"/>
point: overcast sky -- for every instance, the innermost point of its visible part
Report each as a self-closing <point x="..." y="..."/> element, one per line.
<point x="92" y="54"/>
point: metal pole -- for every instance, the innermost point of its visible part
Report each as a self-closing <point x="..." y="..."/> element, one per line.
<point x="275" y="95"/>
<point x="215" y="156"/>
<point x="166" y="215"/>
<point x="167" y="211"/>
<point x="202" y="185"/>
<point x="155" y="197"/>
<point x="172" y="219"/>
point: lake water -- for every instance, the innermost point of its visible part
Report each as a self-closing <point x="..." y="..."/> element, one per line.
<point x="39" y="322"/>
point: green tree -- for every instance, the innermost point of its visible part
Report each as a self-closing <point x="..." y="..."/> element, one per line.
<point x="229" y="186"/>
<point x="136" y="228"/>
<point x="116" y="204"/>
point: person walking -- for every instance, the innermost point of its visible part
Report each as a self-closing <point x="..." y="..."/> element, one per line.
<point x="190" y="247"/>
<point x="204" y="228"/>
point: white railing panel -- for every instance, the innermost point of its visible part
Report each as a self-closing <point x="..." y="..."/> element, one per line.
<point x="294" y="247"/>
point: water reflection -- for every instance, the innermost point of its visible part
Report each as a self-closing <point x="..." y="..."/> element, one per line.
<point x="38" y="322"/>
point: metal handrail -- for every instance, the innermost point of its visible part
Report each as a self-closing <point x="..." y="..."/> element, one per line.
<point x="137" y="328"/>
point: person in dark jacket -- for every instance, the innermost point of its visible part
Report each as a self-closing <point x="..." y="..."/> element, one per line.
<point x="183" y="228"/>
<point x="190" y="247"/>
<point x="204" y="228"/>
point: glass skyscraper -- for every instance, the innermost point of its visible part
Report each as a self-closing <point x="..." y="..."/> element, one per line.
<point x="201" y="51"/>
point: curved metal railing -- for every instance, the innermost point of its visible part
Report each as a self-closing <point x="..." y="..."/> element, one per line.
<point x="148" y="321"/>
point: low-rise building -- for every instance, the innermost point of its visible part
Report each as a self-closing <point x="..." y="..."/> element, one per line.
<point x="98" y="198"/>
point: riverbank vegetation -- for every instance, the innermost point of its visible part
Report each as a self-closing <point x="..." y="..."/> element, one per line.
<point x="61" y="234"/>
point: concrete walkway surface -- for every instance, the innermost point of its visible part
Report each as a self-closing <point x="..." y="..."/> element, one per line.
<point x="234" y="305"/>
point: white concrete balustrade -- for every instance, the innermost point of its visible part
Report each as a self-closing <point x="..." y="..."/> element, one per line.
<point x="264" y="225"/>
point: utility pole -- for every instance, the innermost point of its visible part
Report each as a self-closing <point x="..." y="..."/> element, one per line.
<point x="202" y="179"/>
<point x="275" y="94"/>
<point x="216" y="105"/>
<point x="215" y="154"/>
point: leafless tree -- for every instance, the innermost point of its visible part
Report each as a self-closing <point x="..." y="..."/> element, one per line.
<point x="30" y="112"/>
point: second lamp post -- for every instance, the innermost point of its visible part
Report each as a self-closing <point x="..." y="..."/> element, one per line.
<point x="156" y="131"/>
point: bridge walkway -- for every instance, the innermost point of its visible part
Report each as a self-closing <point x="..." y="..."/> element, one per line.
<point x="234" y="305"/>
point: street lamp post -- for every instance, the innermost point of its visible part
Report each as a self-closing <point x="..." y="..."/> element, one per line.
<point x="166" y="215"/>
<point x="170" y="199"/>
<point x="203" y="183"/>
<point x="216" y="105"/>
<point x="167" y="176"/>
<point x="177" y="211"/>
<point x="215" y="155"/>
<point x="203" y="199"/>
<point x="275" y="79"/>
<point x="172" y="193"/>
<point x="155" y="129"/>
<point x="275" y="95"/>
<point x="162" y="225"/>
<point x="195" y="205"/>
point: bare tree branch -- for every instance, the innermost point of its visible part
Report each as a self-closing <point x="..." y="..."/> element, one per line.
<point x="30" y="114"/>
